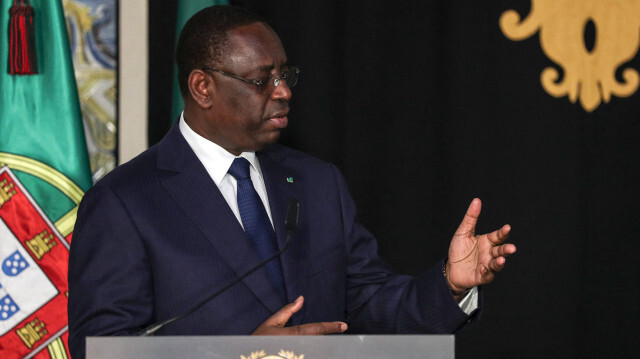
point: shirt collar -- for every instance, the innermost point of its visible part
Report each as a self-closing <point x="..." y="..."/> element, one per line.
<point x="216" y="160"/>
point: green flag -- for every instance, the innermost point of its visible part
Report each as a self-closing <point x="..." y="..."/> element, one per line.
<point x="186" y="9"/>
<point x="44" y="171"/>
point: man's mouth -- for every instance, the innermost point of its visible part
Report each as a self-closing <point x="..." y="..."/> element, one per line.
<point x="279" y="121"/>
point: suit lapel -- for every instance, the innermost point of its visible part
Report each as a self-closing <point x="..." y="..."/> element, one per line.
<point x="284" y="183"/>
<point x="198" y="196"/>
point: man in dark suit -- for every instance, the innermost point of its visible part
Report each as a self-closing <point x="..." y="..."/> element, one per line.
<point x="164" y="231"/>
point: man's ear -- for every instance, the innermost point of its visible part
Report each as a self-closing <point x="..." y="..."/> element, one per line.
<point x="200" y="85"/>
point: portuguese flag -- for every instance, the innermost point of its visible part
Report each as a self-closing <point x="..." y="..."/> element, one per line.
<point x="44" y="171"/>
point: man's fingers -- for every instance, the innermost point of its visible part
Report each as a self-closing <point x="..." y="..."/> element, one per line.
<point x="500" y="235"/>
<point x="468" y="224"/>
<point x="497" y="264"/>
<point x="320" y="328"/>
<point x="503" y="250"/>
<point x="275" y="324"/>
<point x="486" y="275"/>
<point x="281" y="317"/>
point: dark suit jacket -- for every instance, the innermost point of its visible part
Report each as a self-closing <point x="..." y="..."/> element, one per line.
<point x="155" y="236"/>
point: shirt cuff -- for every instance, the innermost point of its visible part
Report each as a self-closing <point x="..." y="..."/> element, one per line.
<point x="469" y="302"/>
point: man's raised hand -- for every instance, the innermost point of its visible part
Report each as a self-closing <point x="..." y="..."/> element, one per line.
<point x="474" y="259"/>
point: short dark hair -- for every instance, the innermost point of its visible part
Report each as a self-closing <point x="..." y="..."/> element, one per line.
<point x="203" y="39"/>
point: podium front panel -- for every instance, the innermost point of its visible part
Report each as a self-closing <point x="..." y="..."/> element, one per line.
<point x="273" y="347"/>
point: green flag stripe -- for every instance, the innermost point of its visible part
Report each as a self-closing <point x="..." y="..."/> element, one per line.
<point x="40" y="114"/>
<point x="40" y="117"/>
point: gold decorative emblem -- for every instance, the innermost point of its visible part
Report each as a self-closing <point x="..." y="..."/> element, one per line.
<point x="41" y="244"/>
<point x="588" y="74"/>
<point x="32" y="332"/>
<point x="282" y="354"/>
<point x="6" y="191"/>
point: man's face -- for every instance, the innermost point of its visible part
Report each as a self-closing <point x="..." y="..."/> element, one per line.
<point x="245" y="117"/>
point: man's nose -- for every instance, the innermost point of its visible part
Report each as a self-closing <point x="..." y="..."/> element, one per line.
<point x="282" y="92"/>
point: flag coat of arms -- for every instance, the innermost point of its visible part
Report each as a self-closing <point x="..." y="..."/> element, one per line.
<point x="44" y="171"/>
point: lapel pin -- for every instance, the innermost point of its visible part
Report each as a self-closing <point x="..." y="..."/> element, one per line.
<point x="290" y="179"/>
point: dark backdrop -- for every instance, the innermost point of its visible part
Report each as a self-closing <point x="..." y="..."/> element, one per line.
<point x="424" y="106"/>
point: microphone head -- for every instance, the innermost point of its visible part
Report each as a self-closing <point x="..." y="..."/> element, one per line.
<point x="291" y="223"/>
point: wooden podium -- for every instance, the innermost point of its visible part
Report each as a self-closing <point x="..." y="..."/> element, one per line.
<point x="273" y="347"/>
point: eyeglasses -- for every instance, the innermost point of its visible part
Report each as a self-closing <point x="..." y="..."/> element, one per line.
<point x="290" y="75"/>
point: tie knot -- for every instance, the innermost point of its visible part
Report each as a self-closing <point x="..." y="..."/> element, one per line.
<point x="240" y="169"/>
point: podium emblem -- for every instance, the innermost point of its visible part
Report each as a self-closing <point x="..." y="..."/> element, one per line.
<point x="282" y="354"/>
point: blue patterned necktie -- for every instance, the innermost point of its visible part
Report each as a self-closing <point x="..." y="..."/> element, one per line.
<point x="256" y="221"/>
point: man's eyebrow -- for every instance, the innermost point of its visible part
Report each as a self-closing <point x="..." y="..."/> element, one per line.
<point x="268" y="68"/>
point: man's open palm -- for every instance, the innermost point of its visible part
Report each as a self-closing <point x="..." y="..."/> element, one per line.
<point x="473" y="259"/>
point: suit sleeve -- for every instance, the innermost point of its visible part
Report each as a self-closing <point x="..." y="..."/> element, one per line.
<point x="380" y="301"/>
<point x="106" y="249"/>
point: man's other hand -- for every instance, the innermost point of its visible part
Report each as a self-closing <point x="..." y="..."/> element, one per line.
<point x="275" y="324"/>
<point x="474" y="259"/>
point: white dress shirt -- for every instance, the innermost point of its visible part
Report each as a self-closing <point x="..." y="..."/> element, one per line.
<point x="217" y="161"/>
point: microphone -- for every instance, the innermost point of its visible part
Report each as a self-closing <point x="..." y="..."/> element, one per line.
<point x="291" y="222"/>
<point x="290" y="225"/>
